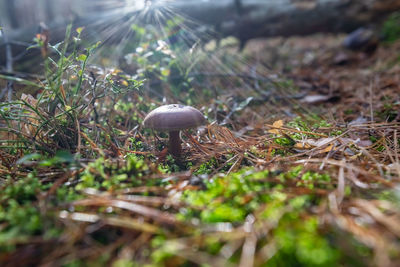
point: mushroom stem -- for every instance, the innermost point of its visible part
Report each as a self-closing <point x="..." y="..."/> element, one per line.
<point x="175" y="143"/>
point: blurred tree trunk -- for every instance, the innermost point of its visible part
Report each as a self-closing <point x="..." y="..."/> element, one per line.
<point x="11" y="13"/>
<point x="49" y="10"/>
<point x="247" y="19"/>
<point x="244" y="19"/>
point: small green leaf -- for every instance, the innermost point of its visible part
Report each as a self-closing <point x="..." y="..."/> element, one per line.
<point x="29" y="158"/>
<point x="60" y="157"/>
<point x="64" y="156"/>
<point x="79" y="30"/>
<point x="81" y="57"/>
<point x="165" y="72"/>
<point x="32" y="46"/>
<point x="96" y="45"/>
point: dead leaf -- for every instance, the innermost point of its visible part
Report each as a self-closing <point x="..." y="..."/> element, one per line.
<point x="302" y="145"/>
<point x="62" y="91"/>
<point x="29" y="99"/>
<point x="311" y="143"/>
<point x="328" y="148"/>
<point x="277" y="125"/>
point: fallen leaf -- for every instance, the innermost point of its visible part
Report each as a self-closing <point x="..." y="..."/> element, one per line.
<point x="277" y="124"/>
<point x="311" y="143"/>
<point x="328" y="148"/>
<point x="302" y="145"/>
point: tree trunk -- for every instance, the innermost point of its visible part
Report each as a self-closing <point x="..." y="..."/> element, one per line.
<point x="10" y="10"/>
<point x="248" y="19"/>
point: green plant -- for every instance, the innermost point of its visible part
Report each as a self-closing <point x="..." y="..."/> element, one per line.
<point x="391" y="28"/>
<point x="19" y="217"/>
<point x="254" y="193"/>
<point x="108" y="174"/>
<point x="52" y="121"/>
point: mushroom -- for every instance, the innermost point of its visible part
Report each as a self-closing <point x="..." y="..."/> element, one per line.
<point x="173" y="118"/>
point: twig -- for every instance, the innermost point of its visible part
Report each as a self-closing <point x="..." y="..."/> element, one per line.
<point x="15" y="43"/>
<point x="371" y="101"/>
<point x="21" y="75"/>
<point x="78" y="128"/>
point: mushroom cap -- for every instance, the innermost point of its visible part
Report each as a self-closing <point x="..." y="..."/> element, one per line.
<point x="173" y="117"/>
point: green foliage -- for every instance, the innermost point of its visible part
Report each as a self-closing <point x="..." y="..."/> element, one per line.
<point x="389" y="110"/>
<point x="65" y="194"/>
<point x="391" y="28"/>
<point x="56" y="111"/>
<point x="207" y="167"/>
<point x="233" y="197"/>
<point x="107" y="174"/>
<point x="18" y="216"/>
<point x="171" y="165"/>
<point x="14" y="213"/>
<point x="300" y="243"/>
<point x="292" y="173"/>
<point x="61" y="157"/>
<point x="309" y="179"/>
<point x="161" y="252"/>
<point x="23" y="190"/>
<point x="136" y="145"/>
<point x="285" y="141"/>
<point x="165" y="61"/>
<point x="308" y="124"/>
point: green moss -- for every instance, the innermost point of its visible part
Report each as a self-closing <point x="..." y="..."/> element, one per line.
<point x="348" y="111"/>
<point x="23" y="190"/>
<point x="170" y="165"/>
<point x="301" y="245"/>
<point x="20" y="215"/>
<point x="388" y="112"/>
<point x="285" y="141"/>
<point x="107" y="174"/>
<point x="307" y="124"/>
<point x="23" y="219"/>
<point x="233" y="197"/>
<point x="292" y="173"/>
<point x="208" y="167"/>
<point x="310" y="179"/>
<point x="223" y="213"/>
<point x="136" y="145"/>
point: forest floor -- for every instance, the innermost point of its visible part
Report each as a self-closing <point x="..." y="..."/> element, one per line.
<point x="304" y="176"/>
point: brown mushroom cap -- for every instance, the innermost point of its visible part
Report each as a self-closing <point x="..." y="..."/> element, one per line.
<point x="174" y="118"/>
